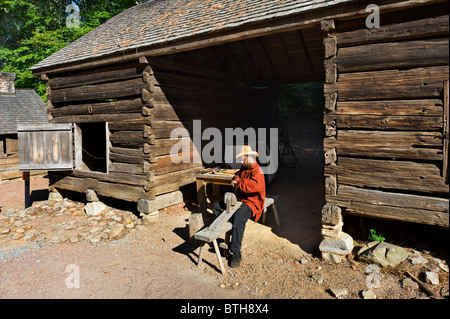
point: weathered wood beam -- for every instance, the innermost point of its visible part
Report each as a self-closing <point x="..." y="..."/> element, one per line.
<point x="95" y="118"/>
<point x="147" y="206"/>
<point x="121" y="106"/>
<point x="395" y="32"/>
<point x="393" y="206"/>
<point x="425" y="107"/>
<point x="118" y="72"/>
<point x="385" y="122"/>
<point x="395" y="145"/>
<point x="415" y="83"/>
<point x="109" y="189"/>
<point x="385" y="174"/>
<point x="409" y="54"/>
<point x="99" y="91"/>
<point x="183" y="67"/>
<point x="193" y="83"/>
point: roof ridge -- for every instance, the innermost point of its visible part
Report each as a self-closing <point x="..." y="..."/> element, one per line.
<point x="156" y="22"/>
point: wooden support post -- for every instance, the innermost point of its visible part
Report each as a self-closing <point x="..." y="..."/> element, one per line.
<point x="195" y="224"/>
<point x="26" y="178"/>
<point x="201" y="195"/>
<point x="196" y="219"/>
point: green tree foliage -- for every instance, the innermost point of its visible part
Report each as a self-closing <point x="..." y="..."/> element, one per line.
<point x="31" y="30"/>
<point x="301" y="98"/>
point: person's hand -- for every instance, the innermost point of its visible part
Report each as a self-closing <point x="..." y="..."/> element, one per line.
<point x="234" y="182"/>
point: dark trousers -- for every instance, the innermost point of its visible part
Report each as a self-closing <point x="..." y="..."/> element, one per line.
<point x="239" y="221"/>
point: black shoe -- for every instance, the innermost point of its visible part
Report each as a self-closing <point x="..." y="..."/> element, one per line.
<point x="236" y="260"/>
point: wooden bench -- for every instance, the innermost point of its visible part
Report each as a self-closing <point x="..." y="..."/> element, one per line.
<point x="217" y="228"/>
<point x="221" y="225"/>
<point x="270" y="202"/>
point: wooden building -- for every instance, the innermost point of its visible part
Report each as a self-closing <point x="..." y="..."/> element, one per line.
<point x="386" y="117"/>
<point x="162" y="64"/>
<point x="17" y="106"/>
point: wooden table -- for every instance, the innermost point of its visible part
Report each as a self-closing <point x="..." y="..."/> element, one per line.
<point x="216" y="178"/>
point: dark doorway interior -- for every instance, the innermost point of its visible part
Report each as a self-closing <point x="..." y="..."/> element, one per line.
<point x="94" y="146"/>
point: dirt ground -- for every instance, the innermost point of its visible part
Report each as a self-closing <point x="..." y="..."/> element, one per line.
<point x="155" y="260"/>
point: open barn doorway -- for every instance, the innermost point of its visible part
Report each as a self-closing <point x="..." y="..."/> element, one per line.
<point x="301" y="187"/>
<point x="273" y="81"/>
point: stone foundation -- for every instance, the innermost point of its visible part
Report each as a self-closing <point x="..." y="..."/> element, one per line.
<point x="336" y="244"/>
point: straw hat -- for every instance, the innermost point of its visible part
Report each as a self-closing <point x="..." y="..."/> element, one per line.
<point x="246" y="150"/>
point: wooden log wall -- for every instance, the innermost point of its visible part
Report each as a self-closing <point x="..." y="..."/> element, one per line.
<point x="384" y="116"/>
<point x="181" y="94"/>
<point x="143" y="101"/>
<point x="112" y="94"/>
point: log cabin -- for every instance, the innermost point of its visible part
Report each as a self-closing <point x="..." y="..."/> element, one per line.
<point x="162" y="64"/>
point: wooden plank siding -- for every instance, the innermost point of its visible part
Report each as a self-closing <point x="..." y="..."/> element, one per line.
<point x="384" y="118"/>
<point x="45" y="147"/>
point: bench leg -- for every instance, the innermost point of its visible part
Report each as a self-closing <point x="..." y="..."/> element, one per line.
<point x="200" y="254"/>
<point x="276" y="214"/>
<point x="226" y="245"/>
<point x="216" y="248"/>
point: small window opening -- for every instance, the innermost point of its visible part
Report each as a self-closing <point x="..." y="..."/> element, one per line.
<point x="93" y="146"/>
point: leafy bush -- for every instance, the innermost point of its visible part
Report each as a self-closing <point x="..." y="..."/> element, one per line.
<point x="374" y="236"/>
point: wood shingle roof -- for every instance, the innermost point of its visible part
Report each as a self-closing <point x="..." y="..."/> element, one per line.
<point x="161" y="21"/>
<point x="23" y="107"/>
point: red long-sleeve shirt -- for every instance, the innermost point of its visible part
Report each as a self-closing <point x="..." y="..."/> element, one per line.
<point x="251" y="188"/>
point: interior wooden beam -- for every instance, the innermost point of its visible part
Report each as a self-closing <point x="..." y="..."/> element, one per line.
<point x="183" y="67"/>
<point x="269" y="60"/>
<point x="305" y="49"/>
<point x="286" y="55"/>
<point x="236" y="60"/>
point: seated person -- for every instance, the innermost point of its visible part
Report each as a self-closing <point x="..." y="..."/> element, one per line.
<point x="251" y="191"/>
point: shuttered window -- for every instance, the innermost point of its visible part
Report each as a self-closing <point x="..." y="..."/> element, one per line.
<point x="45" y="147"/>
